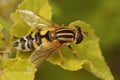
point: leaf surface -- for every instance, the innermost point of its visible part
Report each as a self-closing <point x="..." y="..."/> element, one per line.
<point x="17" y="69"/>
<point x="89" y="55"/>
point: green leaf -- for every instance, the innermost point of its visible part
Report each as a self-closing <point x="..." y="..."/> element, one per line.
<point x="17" y="69"/>
<point x="1" y="34"/>
<point x="0" y="62"/>
<point x="6" y="26"/>
<point x="40" y="7"/>
<point x="20" y="28"/>
<point x="4" y="34"/>
<point x="2" y="41"/>
<point x="89" y="55"/>
<point x="1" y="70"/>
<point x="88" y="52"/>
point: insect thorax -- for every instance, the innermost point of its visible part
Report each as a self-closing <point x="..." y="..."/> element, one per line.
<point x="67" y="35"/>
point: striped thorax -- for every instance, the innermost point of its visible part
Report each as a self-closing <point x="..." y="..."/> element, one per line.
<point x="67" y="35"/>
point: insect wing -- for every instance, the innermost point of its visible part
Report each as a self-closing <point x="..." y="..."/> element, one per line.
<point x="34" y="20"/>
<point x="41" y="53"/>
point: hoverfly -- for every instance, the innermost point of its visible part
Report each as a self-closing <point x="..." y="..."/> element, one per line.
<point x="46" y="38"/>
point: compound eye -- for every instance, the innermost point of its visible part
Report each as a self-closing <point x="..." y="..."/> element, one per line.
<point x="79" y="35"/>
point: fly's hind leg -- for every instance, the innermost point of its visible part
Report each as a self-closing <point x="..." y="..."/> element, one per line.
<point x="73" y="50"/>
<point x="61" y="56"/>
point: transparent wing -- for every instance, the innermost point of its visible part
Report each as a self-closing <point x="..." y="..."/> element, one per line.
<point x="34" y="20"/>
<point x="42" y="52"/>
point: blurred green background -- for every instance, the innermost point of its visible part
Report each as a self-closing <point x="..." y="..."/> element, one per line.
<point x="104" y="18"/>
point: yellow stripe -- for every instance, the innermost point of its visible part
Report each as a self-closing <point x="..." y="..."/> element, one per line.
<point x="44" y="40"/>
<point x="62" y="29"/>
<point x="35" y="45"/>
<point x="33" y="34"/>
<point x="60" y="34"/>
<point x="43" y="32"/>
<point x="66" y="39"/>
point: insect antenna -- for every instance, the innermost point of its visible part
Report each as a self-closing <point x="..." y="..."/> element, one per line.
<point x="85" y="33"/>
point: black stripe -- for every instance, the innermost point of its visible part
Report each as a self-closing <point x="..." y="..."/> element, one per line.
<point x="29" y="37"/>
<point x="47" y="35"/>
<point x="64" y="31"/>
<point x="65" y="36"/>
<point x="38" y="38"/>
<point x="22" y="41"/>
<point x="16" y="44"/>
<point x="30" y="41"/>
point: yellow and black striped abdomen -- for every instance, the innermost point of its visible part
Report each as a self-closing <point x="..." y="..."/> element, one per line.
<point x="31" y="41"/>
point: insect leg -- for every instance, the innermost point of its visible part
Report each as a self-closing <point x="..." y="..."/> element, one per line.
<point x="55" y="25"/>
<point x="61" y="56"/>
<point x="73" y="50"/>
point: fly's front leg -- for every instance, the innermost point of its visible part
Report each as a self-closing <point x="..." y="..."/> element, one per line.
<point x="73" y="50"/>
